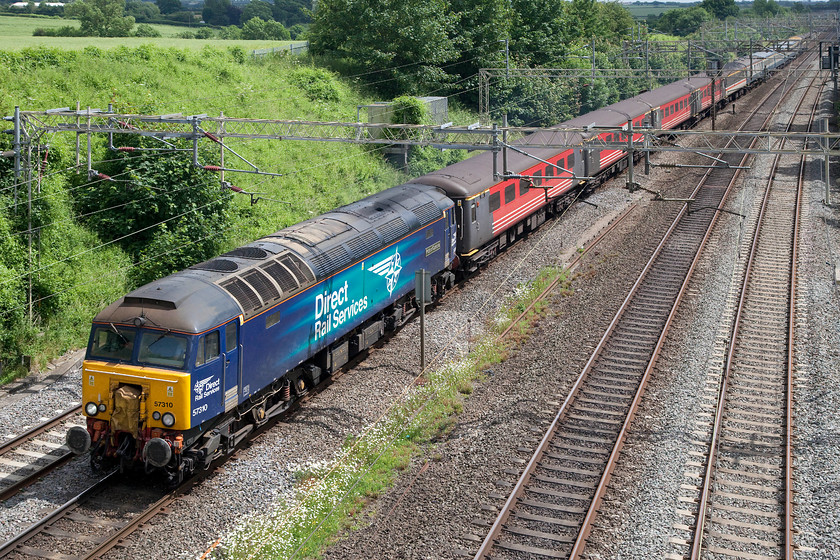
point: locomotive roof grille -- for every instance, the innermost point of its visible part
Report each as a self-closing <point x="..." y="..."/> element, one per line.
<point x="393" y="230"/>
<point x="282" y="276"/>
<point x="248" y="253"/>
<point x="427" y="213"/>
<point x="243" y="293"/>
<point x="364" y="244"/>
<point x="299" y="268"/>
<point x="332" y="260"/>
<point x="217" y="265"/>
<point x="261" y="283"/>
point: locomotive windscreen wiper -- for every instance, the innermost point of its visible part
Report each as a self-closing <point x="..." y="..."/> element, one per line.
<point x="118" y="333"/>
<point x="155" y="341"/>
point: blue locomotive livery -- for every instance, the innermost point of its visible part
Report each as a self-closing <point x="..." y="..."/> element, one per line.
<point x="180" y="370"/>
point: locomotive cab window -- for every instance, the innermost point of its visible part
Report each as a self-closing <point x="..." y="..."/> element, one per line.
<point x="113" y="343"/>
<point x="510" y="193"/>
<point x="495" y="201"/>
<point x="208" y="348"/>
<point x="163" y="349"/>
<point x="473" y="212"/>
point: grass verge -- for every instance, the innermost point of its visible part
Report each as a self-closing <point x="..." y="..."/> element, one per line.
<point x="331" y="497"/>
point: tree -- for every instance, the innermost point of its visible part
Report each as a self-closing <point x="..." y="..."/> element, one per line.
<point x="170" y="212"/>
<point x="404" y="41"/>
<point x="169" y="6"/>
<point x="765" y="8"/>
<point x="143" y="12"/>
<point x="682" y="21"/>
<point x="721" y="9"/>
<point x="257" y="29"/>
<point x="616" y="21"/>
<point x="290" y="12"/>
<point x="101" y="18"/>
<point x="539" y="34"/>
<point x="257" y="9"/>
<point x="220" y="12"/>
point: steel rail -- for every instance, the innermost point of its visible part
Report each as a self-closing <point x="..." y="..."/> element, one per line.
<point x="568" y="268"/>
<point x="501" y="519"/>
<point x="27" y="436"/>
<point x="713" y="446"/>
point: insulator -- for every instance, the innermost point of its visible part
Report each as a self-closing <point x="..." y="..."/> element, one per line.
<point x="212" y="168"/>
<point x="126" y="149"/>
<point x="212" y="137"/>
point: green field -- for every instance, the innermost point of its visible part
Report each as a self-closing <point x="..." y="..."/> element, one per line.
<point x="16" y="34"/>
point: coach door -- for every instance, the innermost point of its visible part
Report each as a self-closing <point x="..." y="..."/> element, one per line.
<point x="231" y="365"/>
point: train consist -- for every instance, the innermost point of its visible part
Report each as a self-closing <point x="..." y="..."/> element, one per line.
<point x="180" y="370"/>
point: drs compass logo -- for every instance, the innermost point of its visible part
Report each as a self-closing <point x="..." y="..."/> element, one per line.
<point x="389" y="268"/>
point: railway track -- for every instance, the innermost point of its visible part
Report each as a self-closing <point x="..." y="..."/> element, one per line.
<point x="31" y="455"/>
<point x="745" y="502"/>
<point x="552" y="508"/>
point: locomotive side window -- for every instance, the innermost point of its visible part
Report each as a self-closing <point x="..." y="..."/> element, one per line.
<point x="571" y="162"/>
<point x="272" y="319"/>
<point x="230" y="337"/>
<point x="549" y="169"/>
<point x="473" y="213"/>
<point x="495" y="201"/>
<point x="208" y="348"/>
<point x="523" y="186"/>
<point x="510" y="193"/>
<point x="537" y="178"/>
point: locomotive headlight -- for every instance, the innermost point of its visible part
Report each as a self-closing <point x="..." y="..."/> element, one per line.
<point x="156" y="415"/>
<point x="168" y="419"/>
<point x="103" y="407"/>
<point x="91" y="409"/>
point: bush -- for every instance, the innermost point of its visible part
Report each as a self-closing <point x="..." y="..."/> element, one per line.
<point x="204" y="33"/>
<point x="230" y="33"/>
<point x="409" y="110"/>
<point x="185" y="35"/>
<point x="146" y="30"/>
<point x="317" y="83"/>
<point x="63" y="31"/>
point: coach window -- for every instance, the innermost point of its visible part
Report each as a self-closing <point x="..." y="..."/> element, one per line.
<point x="523" y="187"/>
<point x="495" y="201"/>
<point x="208" y="348"/>
<point x="510" y="193"/>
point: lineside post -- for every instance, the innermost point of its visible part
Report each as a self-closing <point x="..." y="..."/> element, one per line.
<point x="423" y="293"/>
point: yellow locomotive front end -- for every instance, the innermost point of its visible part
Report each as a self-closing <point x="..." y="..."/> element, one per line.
<point x="136" y="402"/>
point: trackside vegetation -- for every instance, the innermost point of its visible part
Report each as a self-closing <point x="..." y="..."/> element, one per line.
<point x="137" y="215"/>
<point x="331" y="496"/>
